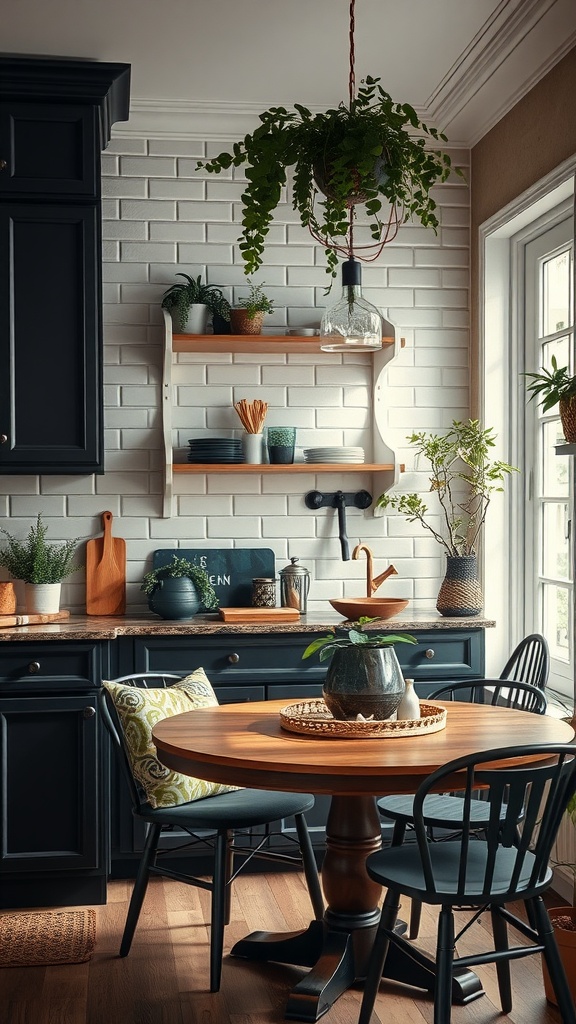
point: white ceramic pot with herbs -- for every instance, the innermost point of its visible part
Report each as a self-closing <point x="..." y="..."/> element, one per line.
<point x="192" y="303"/>
<point x="40" y="565"/>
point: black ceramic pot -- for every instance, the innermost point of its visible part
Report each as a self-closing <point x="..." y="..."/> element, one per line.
<point x="363" y="680"/>
<point x="175" y="598"/>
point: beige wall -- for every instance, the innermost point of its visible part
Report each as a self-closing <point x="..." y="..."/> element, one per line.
<point x="537" y="135"/>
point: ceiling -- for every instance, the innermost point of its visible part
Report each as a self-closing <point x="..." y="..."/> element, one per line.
<point x="461" y="63"/>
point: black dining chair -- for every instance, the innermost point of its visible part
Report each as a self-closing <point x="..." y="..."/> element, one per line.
<point x="444" y="810"/>
<point x="475" y="873"/>
<point x="529" y="661"/>
<point x="216" y="822"/>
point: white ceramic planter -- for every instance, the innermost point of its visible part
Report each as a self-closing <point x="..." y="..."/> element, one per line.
<point x="42" y="598"/>
<point x="197" y="319"/>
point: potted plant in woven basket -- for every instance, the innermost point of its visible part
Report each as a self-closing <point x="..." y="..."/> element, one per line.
<point x="464" y="479"/>
<point x="248" y="316"/>
<point x="556" y="387"/>
<point x="364" y="678"/>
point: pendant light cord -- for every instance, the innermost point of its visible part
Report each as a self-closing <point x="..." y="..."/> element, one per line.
<point x="352" y="76"/>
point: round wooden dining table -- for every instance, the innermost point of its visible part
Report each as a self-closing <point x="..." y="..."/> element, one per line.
<point x="245" y="745"/>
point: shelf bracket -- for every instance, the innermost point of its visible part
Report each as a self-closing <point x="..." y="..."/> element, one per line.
<point x="339" y="500"/>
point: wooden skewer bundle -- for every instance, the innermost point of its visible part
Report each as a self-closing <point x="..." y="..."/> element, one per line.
<point x="252" y="414"/>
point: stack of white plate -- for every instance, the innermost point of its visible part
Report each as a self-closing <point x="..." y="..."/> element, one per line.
<point x="334" y="453"/>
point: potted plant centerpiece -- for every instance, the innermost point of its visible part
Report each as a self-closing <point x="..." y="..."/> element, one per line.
<point x="179" y="589"/>
<point x="190" y="303"/>
<point x="556" y="387"/>
<point x="464" y="479"/>
<point x="371" y="152"/>
<point x="248" y="316"/>
<point x="40" y="565"/>
<point x="364" y="678"/>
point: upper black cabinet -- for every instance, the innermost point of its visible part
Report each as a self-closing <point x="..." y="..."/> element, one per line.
<point x="55" y="118"/>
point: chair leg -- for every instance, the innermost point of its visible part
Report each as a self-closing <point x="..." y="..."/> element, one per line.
<point x="140" y="886"/>
<point x="444" y="962"/>
<point x="218" y="911"/>
<point x="310" y="867"/>
<point x="229" y="872"/>
<point x="553" y="961"/>
<point x="378" y="955"/>
<point x="500" y="933"/>
<point x="415" y="915"/>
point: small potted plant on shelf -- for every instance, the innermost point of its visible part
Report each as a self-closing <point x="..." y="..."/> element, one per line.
<point x="464" y="479"/>
<point x="40" y="565"/>
<point x="556" y="387"/>
<point x="190" y="303"/>
<point x="179" y="589"/>
<point x="248" y="317"/>
<point x="220" y="309"/>
<point x="364" y="678"/>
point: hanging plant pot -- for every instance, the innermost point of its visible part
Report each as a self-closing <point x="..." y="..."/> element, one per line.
<point x="568" y="418"/>
<point x="363" y="680"/>
<point x="460" y="593"/>
<point x="324" y="172"/>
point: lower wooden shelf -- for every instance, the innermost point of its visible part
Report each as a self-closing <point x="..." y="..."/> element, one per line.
<point x="295" y="467"/>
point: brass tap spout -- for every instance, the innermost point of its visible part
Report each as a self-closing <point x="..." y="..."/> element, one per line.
<point x="372" y="583"/>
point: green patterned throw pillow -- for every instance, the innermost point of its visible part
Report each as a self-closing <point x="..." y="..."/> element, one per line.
<point x="139" y="710"/>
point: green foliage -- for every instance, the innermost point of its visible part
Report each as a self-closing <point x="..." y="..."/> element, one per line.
<point x="458" y="459"/>
<point x="179" y="567"/>
<point x="551" y="386"/>
<point x="179" y="297"/>
<point x="326" y="645"/>
<point x="365" y="150"/>
<point x="35" y="561"/>
<point x="256" y="301"/>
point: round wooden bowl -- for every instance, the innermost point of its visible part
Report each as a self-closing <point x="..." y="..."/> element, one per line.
<point x="376" y="607"/>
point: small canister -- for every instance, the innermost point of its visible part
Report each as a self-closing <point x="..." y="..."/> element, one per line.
<point x="264" y="592"/>
<point x="294" y="586"/>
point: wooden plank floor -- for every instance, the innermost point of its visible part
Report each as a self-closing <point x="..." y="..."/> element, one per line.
<point x="164" y="980"/>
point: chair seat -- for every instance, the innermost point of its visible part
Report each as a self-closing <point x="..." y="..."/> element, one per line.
<point x="440" y="810"/>
<point x="400" y="867"/>
<point x="245" y="808"/>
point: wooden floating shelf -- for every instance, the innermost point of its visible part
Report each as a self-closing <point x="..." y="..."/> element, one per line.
<point x="258" y="343"/>
<point x="295" y="467"/>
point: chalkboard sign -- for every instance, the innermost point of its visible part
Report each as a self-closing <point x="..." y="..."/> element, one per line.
<point x="231" y="570"/>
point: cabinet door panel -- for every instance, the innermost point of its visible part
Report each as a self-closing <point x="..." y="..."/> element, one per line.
<point x="50" y="378"/>
<point x="50" y="150"/>
<point x="50" y="783"/>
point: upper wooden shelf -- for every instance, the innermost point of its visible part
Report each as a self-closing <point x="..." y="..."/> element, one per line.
<point x="292" y="467"/>
<point x="255" y="343"/>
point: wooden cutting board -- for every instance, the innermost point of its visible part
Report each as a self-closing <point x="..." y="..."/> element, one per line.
<point x="32" y="619"/>
<point x="106" y="572"/>
<point x="259" y="614"/>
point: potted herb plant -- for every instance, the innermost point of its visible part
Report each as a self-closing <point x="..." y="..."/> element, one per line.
<point x="372" y="151"/>
<point x="190" y="303"/>
<point x="464" y="479"/>
<point x="179" y="589"/>
<point x="556" y="387"/>
<point x="42" y="566"/>
<point x="248" y="317"/>
<point x="364" y="677"/>
<point x="563" y="921"/>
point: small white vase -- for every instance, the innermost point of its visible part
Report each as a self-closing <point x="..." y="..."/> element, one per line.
<point x="196" y="321"/>
<point x="42" y="598"/>
<point x="409" y="706"/>
<point x="253" y="448"/>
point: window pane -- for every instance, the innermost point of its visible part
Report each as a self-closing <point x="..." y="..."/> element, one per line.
<point x="555" y="467"/>
<point x="556" y="297"/>
<point x="555" y="553"/>
<point x="556" y="620"/>
<point x="559" y="348"/>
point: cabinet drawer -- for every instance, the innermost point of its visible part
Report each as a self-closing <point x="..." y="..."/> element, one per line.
<point x="47" y="666"/>
<point x="443" y="656"/>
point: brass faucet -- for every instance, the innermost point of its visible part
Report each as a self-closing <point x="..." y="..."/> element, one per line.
<point x="371" y="583"/>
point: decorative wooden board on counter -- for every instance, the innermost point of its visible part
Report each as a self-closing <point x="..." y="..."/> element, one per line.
<point x="259" y="614"/>
<point x="32" y="620"/>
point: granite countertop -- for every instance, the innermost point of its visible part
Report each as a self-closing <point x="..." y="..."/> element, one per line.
<point x="97" y="627"/>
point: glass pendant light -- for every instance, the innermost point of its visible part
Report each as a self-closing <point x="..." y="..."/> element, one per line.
<point x="353" y="323"/>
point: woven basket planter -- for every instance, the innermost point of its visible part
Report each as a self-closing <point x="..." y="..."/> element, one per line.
<point x="241" y="323"/>
<point x="460" y="593"/>
<point x="568" y="418"/>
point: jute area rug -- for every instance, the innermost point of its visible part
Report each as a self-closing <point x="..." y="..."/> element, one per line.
<point x="43" y="939"/>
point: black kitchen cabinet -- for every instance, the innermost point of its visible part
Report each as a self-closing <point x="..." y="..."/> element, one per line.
<point x="54" y="824"/>
<point x="55" y="117"/>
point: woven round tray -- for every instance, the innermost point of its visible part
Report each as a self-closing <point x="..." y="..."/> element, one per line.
<point x="312" y="718"/>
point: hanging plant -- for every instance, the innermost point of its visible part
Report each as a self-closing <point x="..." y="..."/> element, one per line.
<point x="366" y="152"/>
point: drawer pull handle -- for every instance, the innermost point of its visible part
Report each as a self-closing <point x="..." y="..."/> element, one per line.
<point x="3" y="438"/>
<point x="429" y="653"/>
<point x="88" y="712"/>
<point x="3" y="165"/>
<point x="34" y="667"/>
<point x="233" y="659"/>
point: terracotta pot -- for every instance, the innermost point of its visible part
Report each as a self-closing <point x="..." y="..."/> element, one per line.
<point x="241" y="323"/>
<point x="566" y="941"/>
<point x="568" y="418"/>
<point x="460" y="593"/>
<point x="7" y="599"/>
